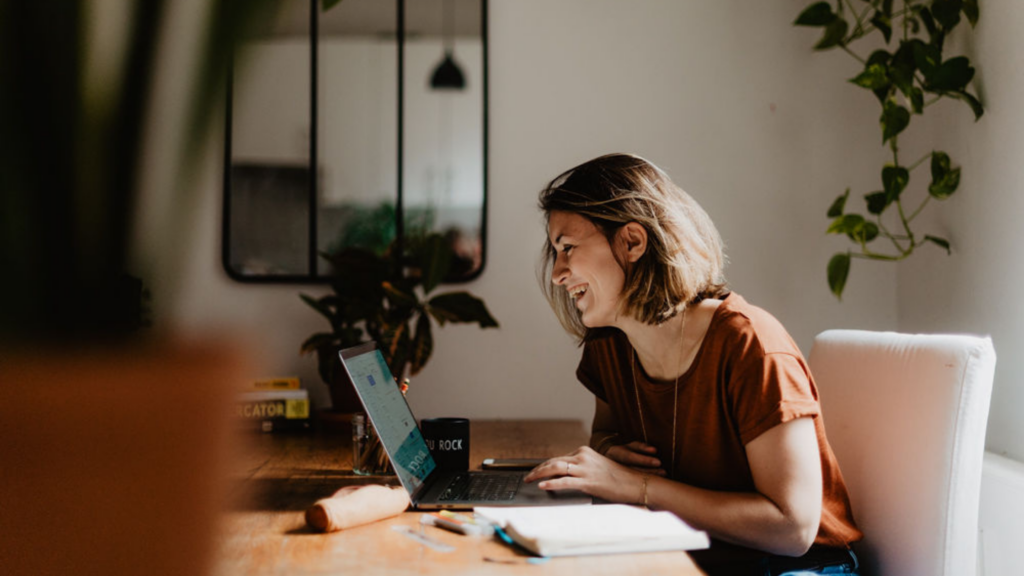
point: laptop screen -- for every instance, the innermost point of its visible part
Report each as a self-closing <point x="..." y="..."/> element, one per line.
<point x="390" y="415"/>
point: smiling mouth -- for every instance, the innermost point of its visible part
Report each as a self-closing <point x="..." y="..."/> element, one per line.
<point x="578" y="291"/>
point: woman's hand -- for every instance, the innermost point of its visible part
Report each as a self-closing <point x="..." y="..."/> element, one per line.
<point x="587" y="471"/>
<point x="638" y="456"/>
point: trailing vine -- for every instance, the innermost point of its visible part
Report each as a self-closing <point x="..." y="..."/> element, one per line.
<point x="905" y="81"/>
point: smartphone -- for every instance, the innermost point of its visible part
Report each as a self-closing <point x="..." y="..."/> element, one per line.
<point x="512" y="463"/>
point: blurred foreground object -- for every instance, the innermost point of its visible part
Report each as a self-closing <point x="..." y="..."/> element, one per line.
<point x="115" y="461"/>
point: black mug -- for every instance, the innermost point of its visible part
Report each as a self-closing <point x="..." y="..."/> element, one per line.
<point x="448" y="440"/>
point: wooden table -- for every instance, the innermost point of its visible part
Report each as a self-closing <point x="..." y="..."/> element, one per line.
<point x="265" y="533"/>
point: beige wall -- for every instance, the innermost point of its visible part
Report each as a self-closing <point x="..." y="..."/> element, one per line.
<point x="726" y="96"/>
<point x="977" y="288"/>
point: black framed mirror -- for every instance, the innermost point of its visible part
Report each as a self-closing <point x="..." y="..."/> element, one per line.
<point x="355" y="125"/>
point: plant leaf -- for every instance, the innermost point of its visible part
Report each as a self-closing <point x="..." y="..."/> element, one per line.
<point x="864" y="232"/>
<point x="328" y="4"/>
<point x="460" y="307"/>
<point x="435" y="260"/>
<point x="399" y="297"/>
<point x="944" y="187"/>
<point x="941" y="242"/>
<point x="917" y="100"/>
<point x="877" y="202"/>
<point x="321" y="305"/>
<point x="395" y="347"/>
<point x="940" y="165"/>
<point x="971" y="101"/>
<point x="947" y="12"/>
<point x="838" y="271"/>
<point x="835" y="32"/>
<point x="894" y="120"/>
<point x="953" y="75"/>
<point x="894" y="180"/>
<point x="836" y="209"/>
<point x="970" y="9"/>
<point x="845" y="224"/>
<point x="873" y="78"/>
<point x="817" y="14"/>
<point x="884" y="24"/>
<point x="927" y="57"/>
<point x="422" y="344"/>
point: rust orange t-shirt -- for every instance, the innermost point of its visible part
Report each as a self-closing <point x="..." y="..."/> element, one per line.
<point x="747" y="377"/>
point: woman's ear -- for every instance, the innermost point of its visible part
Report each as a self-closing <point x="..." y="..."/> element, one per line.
<point x="633" y="239"/>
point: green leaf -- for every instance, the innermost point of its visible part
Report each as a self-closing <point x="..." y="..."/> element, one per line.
<point x="971" y="101"/>
<point x="461" y="307"/>
<point x="941" y="242"/>
<point x="884" y="24"/>
<point x="873" y="78"/>
<point x="940" y="165"/>
<point x="894" y="180"/>
<point x="953" y="75"/>
<point x="395" y="347"/>
<point x="947" y="12"/>
<point x="944" y="187"/>
<point x="894" y="120"/>
<point x="838" y="271"/>
<point x="435" y="260"/>
<point x="864" y="232"/>
<point x="328" y="4"/>
<point x="878" y="57"/>
<point x="321" y="305"/>
<point x="971" y="11"/>
<point x="835" y="32"/>
<point x="877" y="202"/>
<point x="926" y="56"/>
<point x="817" y="14"/>
<point x="886" y="8"/>
<point x="845" y="224"/>
<point x="935" y="35"/>
<point x="399" y="297"/>
<point x="836" y="209"/>
<point x="917" y="100"/>
<point x="901" y="70"/>
<point x="422" y="345"/>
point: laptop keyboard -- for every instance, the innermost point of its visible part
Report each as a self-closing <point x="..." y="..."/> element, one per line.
<point x="482" y="487"/>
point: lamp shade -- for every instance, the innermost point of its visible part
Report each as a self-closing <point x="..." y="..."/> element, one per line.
<point x="447" y="75"/>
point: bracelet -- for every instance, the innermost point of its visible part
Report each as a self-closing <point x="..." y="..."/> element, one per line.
<point x="645" y="490"/>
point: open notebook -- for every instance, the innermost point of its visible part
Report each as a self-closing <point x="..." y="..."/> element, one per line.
<point x="598" y="529"/>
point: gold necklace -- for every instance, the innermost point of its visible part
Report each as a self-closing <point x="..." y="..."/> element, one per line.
<point x="675" y="396"/>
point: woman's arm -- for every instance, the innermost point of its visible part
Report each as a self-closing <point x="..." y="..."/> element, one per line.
<point x="606" y="439"/>
<point x="781" y="517"/>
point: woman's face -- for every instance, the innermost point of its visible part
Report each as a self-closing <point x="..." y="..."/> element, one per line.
<point x="585" y="266"/>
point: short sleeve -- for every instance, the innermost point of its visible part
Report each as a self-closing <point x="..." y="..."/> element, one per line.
<point x="588" y="373"/>
<point x="773" y="390"/>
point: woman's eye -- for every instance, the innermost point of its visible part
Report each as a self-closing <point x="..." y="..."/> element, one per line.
<point x="567" y="248"/>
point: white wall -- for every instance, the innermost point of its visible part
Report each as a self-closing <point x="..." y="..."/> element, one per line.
<point x="726" y="96"/>
<point x="977" y="288"/>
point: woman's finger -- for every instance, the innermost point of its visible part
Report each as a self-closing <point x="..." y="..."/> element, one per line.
<point x="638" y="446"/>
<point x="563" y="483"/>
<point x="554" y="467"/>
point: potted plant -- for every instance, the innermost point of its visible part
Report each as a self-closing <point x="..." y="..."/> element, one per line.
<point x="386" y="297"/>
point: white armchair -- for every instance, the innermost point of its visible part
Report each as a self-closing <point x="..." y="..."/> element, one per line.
<point x="906" y="417"/>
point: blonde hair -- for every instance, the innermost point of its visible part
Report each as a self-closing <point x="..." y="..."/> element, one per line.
<point x="684" y="261"/>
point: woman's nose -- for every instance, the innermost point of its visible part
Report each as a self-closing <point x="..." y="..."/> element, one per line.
<point x="559" y="271"/>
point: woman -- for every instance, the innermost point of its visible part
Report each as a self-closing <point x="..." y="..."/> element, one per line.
<point x="704" y="405"/>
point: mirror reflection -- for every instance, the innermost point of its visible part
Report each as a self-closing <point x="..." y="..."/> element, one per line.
<point x="397" y="133"/>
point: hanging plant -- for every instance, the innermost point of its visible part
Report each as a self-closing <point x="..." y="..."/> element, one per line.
<point x="905" y="81"/>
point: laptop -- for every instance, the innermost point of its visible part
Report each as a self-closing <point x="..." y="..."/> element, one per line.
<point x="429" y="487"/>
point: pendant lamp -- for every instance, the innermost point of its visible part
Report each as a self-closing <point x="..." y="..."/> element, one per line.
<point x="447" y="75"/>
